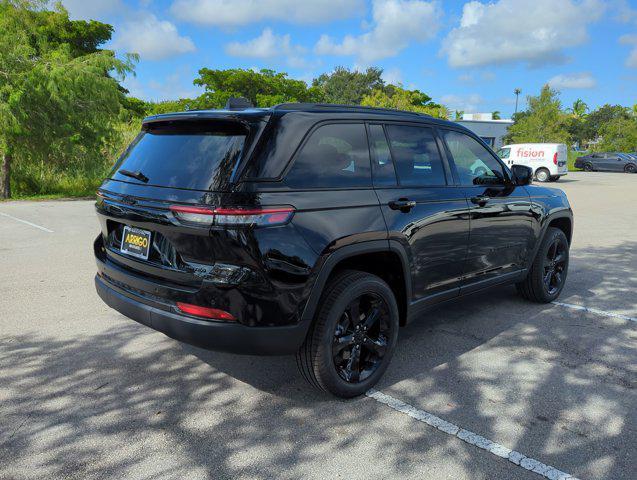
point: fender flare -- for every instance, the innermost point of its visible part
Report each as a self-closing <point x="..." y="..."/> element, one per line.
<point x="564" y="213"/>
<point x="333" y="259"/>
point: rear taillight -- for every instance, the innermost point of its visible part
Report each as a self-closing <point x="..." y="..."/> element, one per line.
<point x="259" y="216"/>
<point x="555" y="158"/>
<point x="205" y="312"/>
<point x="193" y="215"/>
<point x="233" y="216"/>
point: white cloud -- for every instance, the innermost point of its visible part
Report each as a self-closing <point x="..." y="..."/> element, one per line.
<point x="87" y="9"/>
<point x="268" y="45"/>
<point x="395" y="23"/>
<point x="152" y="39"/>
<point x="393" y="76"/>
<point x="572" y="80"/>
<point x="510" y="31"/>
<point x="176" y="85"/>
<point x="474" y="77"/>
<point x="243" y="12"/>
<point x="625" y="13"/>
<point x="631" y="61"/>
<point x="466" y="103"/>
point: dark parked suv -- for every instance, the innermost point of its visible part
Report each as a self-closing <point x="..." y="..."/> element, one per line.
<point x="317" y="230"/>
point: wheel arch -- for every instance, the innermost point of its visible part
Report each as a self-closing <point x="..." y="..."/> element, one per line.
<point x="564" y="223"/>
<point x="563" y="220"/>
<point x="384" y="258"/>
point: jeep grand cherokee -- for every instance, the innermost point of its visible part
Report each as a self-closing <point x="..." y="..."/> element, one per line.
<point x="317" y="230"/>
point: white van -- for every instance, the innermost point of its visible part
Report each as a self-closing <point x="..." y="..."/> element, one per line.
<point x="548" y="160"/>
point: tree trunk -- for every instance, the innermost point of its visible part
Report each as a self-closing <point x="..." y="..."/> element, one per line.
<point x="5" y="176"/>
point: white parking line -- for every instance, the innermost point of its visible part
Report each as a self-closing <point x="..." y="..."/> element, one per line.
<point x="596" y="311"/>
<point x="471" y="438"/>
<point x="24" y="221"/>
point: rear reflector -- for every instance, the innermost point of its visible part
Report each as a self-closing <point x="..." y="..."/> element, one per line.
<point x="555" y="158"/>
<point x="233" y="216"/>
<point x="205" y="312"/>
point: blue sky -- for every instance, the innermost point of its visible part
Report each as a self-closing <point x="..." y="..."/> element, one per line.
<point x="468" y="55"/>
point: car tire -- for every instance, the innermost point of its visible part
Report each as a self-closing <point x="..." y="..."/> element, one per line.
<point x="551" y="261"/>
<point x="630" y="168"/>
<point x="554" y="178"/>
<point x="588" y="167"/>
<point x="327" y="358"/>
<point x="542" y="175"/>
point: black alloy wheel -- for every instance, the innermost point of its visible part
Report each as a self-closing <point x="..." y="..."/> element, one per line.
<point x="361" y="337"/>
<point x="353" y="336"/>
<point x="546" y="278"/>
<point x="630" y="168"/>
<point x="588" y="167"/>
<point x="554" y="265"/>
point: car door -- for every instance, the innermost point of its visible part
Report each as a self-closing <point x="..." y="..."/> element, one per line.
<point x="501" y="217"/>
<point x="423" y="210"/>
<point x="621" y="159"/>
<point x="604" y="161"/>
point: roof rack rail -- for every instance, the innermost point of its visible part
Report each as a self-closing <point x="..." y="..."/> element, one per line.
<point x="335" y="106"/>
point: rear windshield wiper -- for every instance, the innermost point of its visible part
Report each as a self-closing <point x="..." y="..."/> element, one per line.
<point x="137" y="175"/>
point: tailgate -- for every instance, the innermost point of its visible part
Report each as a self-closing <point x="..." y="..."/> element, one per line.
<point x="175" y="253"/>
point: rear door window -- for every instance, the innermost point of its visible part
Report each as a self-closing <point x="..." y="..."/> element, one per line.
<point x="416" y="156"/>
<point x="197" y="156"/>
<point x="334" y="156"/>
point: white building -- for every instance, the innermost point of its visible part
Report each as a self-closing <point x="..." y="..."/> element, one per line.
<point x="483" y="125"/>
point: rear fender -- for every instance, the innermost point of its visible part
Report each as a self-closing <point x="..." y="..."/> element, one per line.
<point x="331" y="261"/>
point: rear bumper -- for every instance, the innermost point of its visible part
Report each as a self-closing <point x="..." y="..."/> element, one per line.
<point x="212" y="335"/>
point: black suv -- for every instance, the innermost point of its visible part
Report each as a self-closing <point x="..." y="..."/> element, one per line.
<point x="317" y="230"/>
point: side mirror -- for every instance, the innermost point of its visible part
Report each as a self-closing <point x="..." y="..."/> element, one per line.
<point x="522" y="175"/>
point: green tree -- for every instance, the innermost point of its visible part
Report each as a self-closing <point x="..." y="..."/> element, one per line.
<point x="59" y="100"/>
<point x="458" y="114"/>
<point x="579" y="108"/>
<point x="603" y="115"/>
<point x="263" y="88"/>
<point x="348" y="87"/>
<point x="496" y="115"/>
<point x="618" y="135"/>
<point x="396" y="97"/>
<point x="543" y="121"/>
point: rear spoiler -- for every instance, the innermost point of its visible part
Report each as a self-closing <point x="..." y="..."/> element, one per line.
<point x="205" y="115"/>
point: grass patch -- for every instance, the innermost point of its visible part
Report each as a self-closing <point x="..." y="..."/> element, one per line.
<point x="572" y="156"/>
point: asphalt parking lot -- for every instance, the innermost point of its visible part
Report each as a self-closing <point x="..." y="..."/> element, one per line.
<point x="87" y="393"/>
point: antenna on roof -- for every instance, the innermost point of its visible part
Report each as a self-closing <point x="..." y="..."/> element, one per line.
<point x="238" y="103"/>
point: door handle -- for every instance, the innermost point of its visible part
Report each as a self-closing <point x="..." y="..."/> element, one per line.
<point x="480" y="200"/>
<point x="402" y="204"/>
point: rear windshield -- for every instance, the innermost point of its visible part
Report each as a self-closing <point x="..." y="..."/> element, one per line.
<point x="196" y="156"/>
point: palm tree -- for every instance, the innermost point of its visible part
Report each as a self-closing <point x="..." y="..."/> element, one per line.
<point x="579" y="108"/>
<point x="517" y="93"/>
<point x="496" y="115"/>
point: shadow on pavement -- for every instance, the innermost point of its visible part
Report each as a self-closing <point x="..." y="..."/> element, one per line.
<point x="88" y="407"/>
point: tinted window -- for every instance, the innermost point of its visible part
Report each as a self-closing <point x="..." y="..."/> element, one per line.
<point x="199" y="157"/>
<point x="335" y="156"/>
<point x="474" y="163"/>
<point x="383" y="167"/>
<point x="416" y="156"/>
<point x="504" y="153"/>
